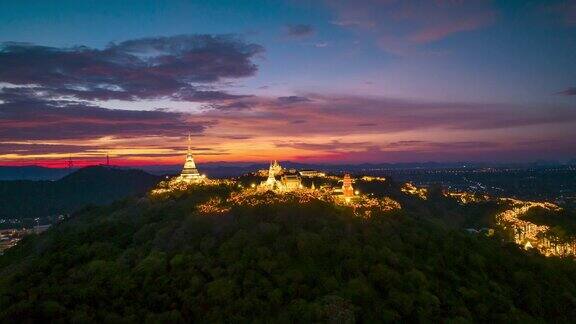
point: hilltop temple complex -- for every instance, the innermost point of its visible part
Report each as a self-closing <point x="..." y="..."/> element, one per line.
<point x="288" y="183"/>
<point x="278" y="179"/>
<point x="291" y="180"/>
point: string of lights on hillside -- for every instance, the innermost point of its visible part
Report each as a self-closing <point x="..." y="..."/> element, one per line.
<point x="289" y="189"/>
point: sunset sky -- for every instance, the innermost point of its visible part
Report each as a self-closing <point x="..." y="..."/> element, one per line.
<point x="311" y="81"/>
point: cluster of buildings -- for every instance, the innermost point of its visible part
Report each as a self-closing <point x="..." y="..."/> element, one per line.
<point x="289" y="180"/>
<point x="11" y="237"/>
<point x="282" y="180"/>
<point x="278" y="179"/>
<point x="530" y="235"/>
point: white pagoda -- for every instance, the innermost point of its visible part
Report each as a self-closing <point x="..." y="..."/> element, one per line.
<point x="190" y="173"/>
<point x="271" y="183"/>
<point x="288" y="182"/>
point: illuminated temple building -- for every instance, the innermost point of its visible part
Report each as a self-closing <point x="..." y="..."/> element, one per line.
<point x="347" y="189"/>
<point x="311" y="173"/>
<point x="288" y="181"/>
<point x="346" y="192"/>
<point x="190" y="173"/>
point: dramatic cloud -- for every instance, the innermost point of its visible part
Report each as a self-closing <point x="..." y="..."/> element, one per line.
<point x="292" y="100"/>
<point x="299" y="30"/>
<point x="23" y="148"/>
<point x="322" y="126"/>
<point x="231" y="106"/>
<point x="374" y="152"/>
<point x="147" y="68"/>
<point x="331" y="146"/>
<point x="336" y="115"/>
<point x="441" y="146"/>
<point x="568" y="92"/>
<point x="42" y="120"/>
<point x="401" y="26"/>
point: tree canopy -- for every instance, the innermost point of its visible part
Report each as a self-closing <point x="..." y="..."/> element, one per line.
<point x="160" y="260"/>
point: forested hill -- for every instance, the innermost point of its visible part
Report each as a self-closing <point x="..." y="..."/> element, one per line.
<point x="90" y="185"/>
<point x="181" y="258"/>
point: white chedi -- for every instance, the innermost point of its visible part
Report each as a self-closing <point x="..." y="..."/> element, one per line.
<point x="190" y="173"/>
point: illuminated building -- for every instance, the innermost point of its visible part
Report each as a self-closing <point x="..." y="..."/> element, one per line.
<point x="347" y="189"/>
<point x="271" y="183"/>
<point x="288" y="182"/>
<point x="530" y="235"/>
<point x="372" y="178"/>
<point x="291" y="182"/>
<point x="411" y="189"/>
<point x="311" y="173"/>
<point x="190" y="173"/>
<point x="274" y="167"/>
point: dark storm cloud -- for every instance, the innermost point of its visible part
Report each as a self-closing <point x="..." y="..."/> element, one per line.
<point x="42" y="120"/>
<point x="147" y="68"/>
<point x="299" y="30"/>
<point x="568" y="92"/>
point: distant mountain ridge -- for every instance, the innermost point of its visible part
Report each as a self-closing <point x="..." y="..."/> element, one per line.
<point x="90" y="185"/>
<point x="231" y="169"/>
<point x="31" y="172"/>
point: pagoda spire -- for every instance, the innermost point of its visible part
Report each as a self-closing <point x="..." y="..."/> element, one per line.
<point x="189" y="143"/>
<point x="189" y="172"/>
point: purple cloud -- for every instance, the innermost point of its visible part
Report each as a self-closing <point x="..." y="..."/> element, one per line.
<point x="51" y="120"/>
<point x="147" y="68"/>
<point x="344" y="115"/>
<point x="401" y="27"/>
<point x="334" y="145"/>
<point x="22" y="148"/>
<point x="292" y="100"/>
<point x="568" y="92"/>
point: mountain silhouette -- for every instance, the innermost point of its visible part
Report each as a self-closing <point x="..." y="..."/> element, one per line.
<point x="90" y="185"/>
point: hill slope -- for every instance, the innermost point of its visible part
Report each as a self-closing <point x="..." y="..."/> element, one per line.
<point x="31" y="172"/>
<point x="91" y="185"/>
<point x="161" y="259"/>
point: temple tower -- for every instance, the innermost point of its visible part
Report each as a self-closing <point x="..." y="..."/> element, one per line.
<point x="189" y="172"/>
<point x="272" y="170"/>
<point x="347" y="189"/>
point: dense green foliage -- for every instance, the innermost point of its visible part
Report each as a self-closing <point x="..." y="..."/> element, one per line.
<point x="91" y="185"/>
<point x="159" y="260"/>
